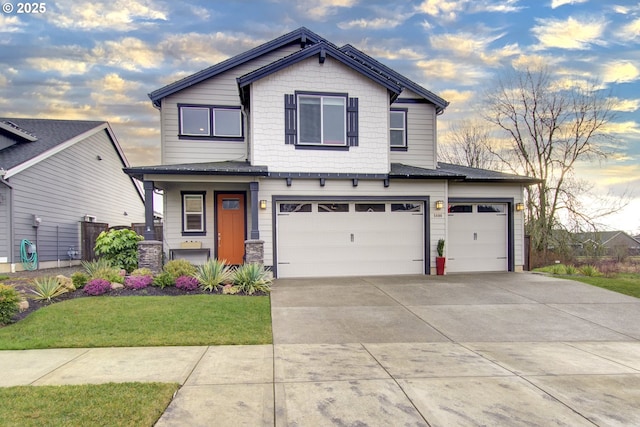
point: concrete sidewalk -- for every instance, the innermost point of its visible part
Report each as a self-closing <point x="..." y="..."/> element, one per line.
<point x="498" y="349"/>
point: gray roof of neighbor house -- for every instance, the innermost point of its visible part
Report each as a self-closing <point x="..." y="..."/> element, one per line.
<point x="601" y="237"/>
<point x="356" y="59"/>
<point x="47" y="134"/>
<point x="484" y="175"/>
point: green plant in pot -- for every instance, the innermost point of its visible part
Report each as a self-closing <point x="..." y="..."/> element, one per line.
<point x="440" y="259"/>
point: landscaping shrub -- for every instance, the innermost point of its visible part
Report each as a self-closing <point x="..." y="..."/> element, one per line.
<point x="214" y="273"/>
<point x="142" y="272"/>
<point x="79" y="279"/>
<point x="558" y="269"/>
<point x="589" y="270"/>
<point x="187" y="283"/>
<point x="571" y="270"/>
<point x="9" y="299"/>
<point x="179" y="267"/>
<point x="103" y="269"/>
<point x="47" y="288"/>
<point x="120" y="247"/>
<point x="97" y="287"/>
<point x="138" y="282"/>
<point x="252" y="278"/>
<point x="163" y="280"/>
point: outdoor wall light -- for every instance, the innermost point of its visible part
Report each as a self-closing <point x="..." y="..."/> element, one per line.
<point x="439" y="204"/>
<point x="263" y="204"/>
<point x="519" y="207"/>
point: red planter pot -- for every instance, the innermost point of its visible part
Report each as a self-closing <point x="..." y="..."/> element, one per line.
<point x="440" y="261"/>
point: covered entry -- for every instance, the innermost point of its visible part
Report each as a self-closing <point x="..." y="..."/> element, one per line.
<point x="478" y="237"/>
<point x="347" y="238"/>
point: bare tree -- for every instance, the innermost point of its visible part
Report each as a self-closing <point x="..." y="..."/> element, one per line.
<point x="468" y="143"/>
<point x="550" y="129"/>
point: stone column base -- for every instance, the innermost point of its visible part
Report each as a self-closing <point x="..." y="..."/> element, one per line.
<point x="150" y="255"/>
<point x="254" y="251"/>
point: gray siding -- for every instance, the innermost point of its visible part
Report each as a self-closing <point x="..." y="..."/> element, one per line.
<point x="5" y="212"/>
<point x="65" y="187"/>
<point x="421" y="135"/>
<point x="219" y="90"/>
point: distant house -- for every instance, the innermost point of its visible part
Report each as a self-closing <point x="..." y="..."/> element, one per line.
<point x="323" y="161"/>
<point x="606" y="243"/>
<point x="55" y="174"/>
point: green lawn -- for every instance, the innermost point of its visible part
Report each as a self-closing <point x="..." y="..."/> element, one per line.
<point x="624" y="283"/>
<point x="143" y="321"/>
<point x="128" y="404"/>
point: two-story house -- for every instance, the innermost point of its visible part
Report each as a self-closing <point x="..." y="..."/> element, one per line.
<point x="325" y="159"/>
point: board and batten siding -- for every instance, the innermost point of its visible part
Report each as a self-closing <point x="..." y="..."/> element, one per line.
<point x="436" y="190"/>
<point x="421" y="133"/>
<point x="65" y="187"/>
<point x="486" y="191"/>
<point x="268" y="127"/>
<point x="5" y="213"/>
<point x="219" y="90"/>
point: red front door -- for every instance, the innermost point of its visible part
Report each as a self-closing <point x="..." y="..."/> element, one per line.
<point x="231" y="227"/>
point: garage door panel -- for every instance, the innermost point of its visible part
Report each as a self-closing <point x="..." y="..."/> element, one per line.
<point x="478" y="241"/>
<point x="357" y="242"/>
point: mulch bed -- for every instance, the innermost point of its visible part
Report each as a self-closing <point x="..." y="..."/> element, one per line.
<point x="21" y="281"/>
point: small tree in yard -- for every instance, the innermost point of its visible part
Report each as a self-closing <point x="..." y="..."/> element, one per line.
<point x="120" y="247"/>
<point x="550" y="130"/>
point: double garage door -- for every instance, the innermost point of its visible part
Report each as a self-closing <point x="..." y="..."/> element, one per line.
<point x="342" y="238"/>
<point x="478" y="239"/>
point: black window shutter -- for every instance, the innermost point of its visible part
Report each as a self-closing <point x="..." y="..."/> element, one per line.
<point x="352" y="122"/>
<point x="290" y="131"/>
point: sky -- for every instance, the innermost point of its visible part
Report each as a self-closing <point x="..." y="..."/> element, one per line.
<point x="98" y="60"/>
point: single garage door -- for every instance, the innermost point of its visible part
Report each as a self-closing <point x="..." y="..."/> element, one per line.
<point x="323" y="239"/>
<point x="477" y="237"/>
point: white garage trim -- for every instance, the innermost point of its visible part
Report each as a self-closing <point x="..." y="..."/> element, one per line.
<point x="413" y="256"/>
<point x="508" y="223"/>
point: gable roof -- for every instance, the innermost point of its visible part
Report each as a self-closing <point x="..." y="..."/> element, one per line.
<point x="484" y="175"/>
<point x="603" y="237"/>
<point x="49" y="135"/>
<point x="322" y="49"/>
<point x="302" y="35"/>
<point x="401" y="80"/>
<point x="359" y="61"/>
<point x="52" y="136"/>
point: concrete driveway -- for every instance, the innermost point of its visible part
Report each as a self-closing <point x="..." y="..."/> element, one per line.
<point x="481" y="349"/>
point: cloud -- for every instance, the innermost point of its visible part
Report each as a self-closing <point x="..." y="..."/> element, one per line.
<point x="473" y="45"/>
<point x="64" y="67"/>
<point x="533" y="61"/>
<point x="128" y="53"/>
<point x="102" y="15"/>
<point x="444" y="69"/>
<point x="447" y="10"/>
<point x="3" y="80"/>
<point x="207" y="49"/>
<point x="372" y="24"/>
<point x="620" y="72"/>
<point x="631" y="31"/>
<point x="112" y="82"/>
<point x="10" y="24"/>
<point x="558" y="3"/>
<point x="319" y="10"/>
<point x="506" y="6"/>
<point x="622" y="128"/>
<point x="568" y="34"/>
<point x="625" y="105"/>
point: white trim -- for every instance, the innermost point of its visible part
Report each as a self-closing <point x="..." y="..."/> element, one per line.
<point x="17" y="132"/>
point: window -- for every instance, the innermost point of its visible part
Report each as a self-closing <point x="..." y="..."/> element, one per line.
<point x="295" y="207"/>
<point x="193" y="213"/>
<point x="460" y="208"/>
<point x="210" y="122"/>
<point x="370" y="207"/>
<point x="406" y="207"/>
<point x="321" y="120"/>
<point x="491" y="208"/>
<point x="398" y="129"/>
<point x="333" y="207"/>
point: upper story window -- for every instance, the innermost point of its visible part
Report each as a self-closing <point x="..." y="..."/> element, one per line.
<point x="210" y="122"/>
<point x="398" y="129"/>
<point x="321" y="120"/>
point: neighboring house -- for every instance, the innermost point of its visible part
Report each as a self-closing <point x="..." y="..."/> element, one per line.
<point x="328" y="157"/>
<point x="55" y="174"/>
<point x="614" y="243"/>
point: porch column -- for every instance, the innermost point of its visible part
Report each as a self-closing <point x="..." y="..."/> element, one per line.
<point x="255" y="233"/>
<point x="254" y="247"/>
<point x="149" y="226"/>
